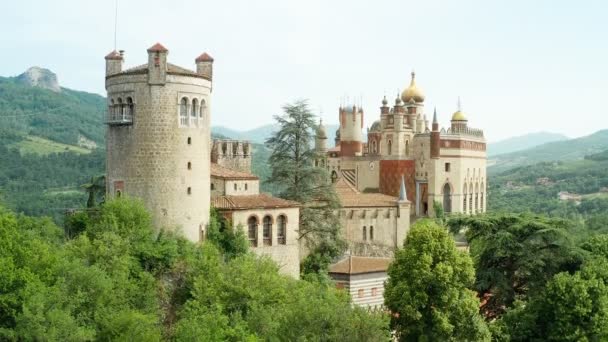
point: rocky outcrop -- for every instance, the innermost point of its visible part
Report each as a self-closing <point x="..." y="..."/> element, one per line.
<point x="40" y="77"/>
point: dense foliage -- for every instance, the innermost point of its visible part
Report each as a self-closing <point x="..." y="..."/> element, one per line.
<point x="539" y="278"/>
<point x="64" y="116"/>
<point x="428" y="289"/>
<point x="119" y="280"/>
<point x="293" y="171"/>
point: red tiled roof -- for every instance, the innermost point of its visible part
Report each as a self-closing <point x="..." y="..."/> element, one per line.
<point x="226" y="173"/>
<point x="204" y="58"/>
<point x="351" y="197"/>
<point x="113" y="55"/>
<point x="261" y="201"/>
<point x="158" y="47"/>
<point x="359" y="265"/>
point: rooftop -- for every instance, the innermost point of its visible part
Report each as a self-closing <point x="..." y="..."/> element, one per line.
<point x="218" y="171"/>
<point x="351" y="197"/>
<point x="261" y="201"/>
<point x="360" y="265"/>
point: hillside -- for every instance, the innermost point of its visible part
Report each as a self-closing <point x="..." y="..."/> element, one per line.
<point x="523" y="142"/>
<point x="31" y="106"/>
<point x="260" y="134"/>
<point x="572" y="149"/>
<point x="583" y="185"/>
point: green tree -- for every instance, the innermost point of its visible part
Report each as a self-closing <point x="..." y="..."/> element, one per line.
<point x="292" y="163"/>
<point x="572" y="307"/>
<point x="230" y="240"/>
<point x="428" y="289"/>
<point x="515" y="254"/>
<point x="94" y="189"/>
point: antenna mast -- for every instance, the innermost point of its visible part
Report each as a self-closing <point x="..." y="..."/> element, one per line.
<point x="115" y="23"/>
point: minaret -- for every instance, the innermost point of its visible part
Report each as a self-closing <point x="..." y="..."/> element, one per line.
<point x="321" y="138"/>
<point x="435" y="137"/>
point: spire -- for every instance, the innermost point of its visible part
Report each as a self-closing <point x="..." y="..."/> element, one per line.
<point x="413" y="81"/>
<point x="459" y="105"/>
<point x="435" y="115"/>
<point x="402" y="193"/>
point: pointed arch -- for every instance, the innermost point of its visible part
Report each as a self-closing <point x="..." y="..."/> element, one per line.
<point x="447" y="198"/>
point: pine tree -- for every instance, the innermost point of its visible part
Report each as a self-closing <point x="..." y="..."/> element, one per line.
<point x="293" y="171"/>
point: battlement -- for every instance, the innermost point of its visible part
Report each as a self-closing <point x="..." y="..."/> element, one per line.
<point x="232" y="154"/>
<point x="467" y="131"/>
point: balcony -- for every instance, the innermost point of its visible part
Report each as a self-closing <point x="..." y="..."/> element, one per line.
<point x="119" y="119"/>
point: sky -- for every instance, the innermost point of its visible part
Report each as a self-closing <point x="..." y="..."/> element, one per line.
<point x="519" y="66"/>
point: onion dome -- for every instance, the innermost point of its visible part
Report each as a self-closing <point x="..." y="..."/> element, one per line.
<point x="412" y="92"/>
<point x="321" y="132"/>
<point x="338" y="133"/>
<point x="398" y="101"/>
<point x="384" y="101"/>
<point x="459" y="115"/>
<point x="375" y="126"/>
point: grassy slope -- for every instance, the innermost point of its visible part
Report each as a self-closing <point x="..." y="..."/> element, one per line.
<point x="41" y="146"/>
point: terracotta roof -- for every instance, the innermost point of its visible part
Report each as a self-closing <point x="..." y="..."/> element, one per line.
<point x="226" y="173"/>
<point x="351" y="197"/>
<point x="204" y="58"/>
<point x="252" y="202"/>
<point x="359" y="265"/>
<point x="158" y="47"/>
<point x="113" y="55"/>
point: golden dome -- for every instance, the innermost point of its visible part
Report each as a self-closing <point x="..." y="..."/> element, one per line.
<point x="459" y="116"/>
<point x="412" y="92"/>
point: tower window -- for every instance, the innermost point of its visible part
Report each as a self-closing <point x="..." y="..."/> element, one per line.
<point x="364" y="233"/>
<point x="371" y="233"/>
<point x="267" y="231"/>
<point x="447" y="167"/>
<point x="189" y="191"/>
<point x="212" y="186"/>
<point x="189" y="166"/>
<point x="183" y="112"/>
<point x="281" y="229"/>
<point x="245" y="186"/>
<point x="189" y="141"/>
<point x="234" y="186"/>
<point x="252" y="231"/>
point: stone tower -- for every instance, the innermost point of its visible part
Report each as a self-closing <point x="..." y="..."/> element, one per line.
<point x="351" y="136"/>
<point x="232" y="154"/>
<point x="158" y="138"/>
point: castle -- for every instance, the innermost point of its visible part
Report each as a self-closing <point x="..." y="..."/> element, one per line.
<point x="402" y="170"/>
<point x="159" y="149"/>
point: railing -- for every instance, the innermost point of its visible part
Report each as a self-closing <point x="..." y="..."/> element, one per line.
<point x="119" y="117"/>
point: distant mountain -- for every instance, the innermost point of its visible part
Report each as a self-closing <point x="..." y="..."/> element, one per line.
<point x="40" y="77"/>
<point x="572" y="149"/>
<point x="260" y="134"/>
<point x="523" y="142"/>
<point x="32" y="105"/>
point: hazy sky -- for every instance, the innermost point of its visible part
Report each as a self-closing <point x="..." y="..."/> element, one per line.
<point x="519" y="66"/>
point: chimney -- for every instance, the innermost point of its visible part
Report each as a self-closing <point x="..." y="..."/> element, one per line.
<point x="114" y="61"/>
<point x="157" y="64"/>
<point x="204" y="66"/>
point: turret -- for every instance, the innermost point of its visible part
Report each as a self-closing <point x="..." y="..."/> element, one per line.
<point x="157" y="64"/>
<point x="403" y="217"/>
<point x="351" y="126"/>
<point x="204" y="65"/>
<point x="459" y="119"/>
<point x="435" y="137"/>
<point x="321" y="138"/>
<point x="114" y="61"/>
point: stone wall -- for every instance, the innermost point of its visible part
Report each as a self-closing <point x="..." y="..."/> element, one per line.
<point x="149" y="158"/>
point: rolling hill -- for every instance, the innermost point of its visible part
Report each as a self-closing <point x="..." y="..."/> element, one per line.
<point x="260" y="134"/>
<point x="523" y="142"/>
<point x="567" y="150"/>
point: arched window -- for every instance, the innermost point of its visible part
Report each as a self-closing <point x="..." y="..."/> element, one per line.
<point x="112" y="110"/>
<point x="189" y="141"/>
<point x="476" y="198"/>
<point x="183" y="112"/>
<point x="235" y="149"/>
<point x="252" y="231"/>
<point x="371" y="233"/>
<point x="267" y="231"/>
<point x="189" y="166"/>
<point x="281" y="229"/>
<point x="189" y="191"/>
<point x="447" y="198"/>
<point x="203" y="108"/>
<point x="121" y="109"/>
<point x="407" y="148"/>
<point x="334" y="176"/>
<point x="224" y="148"/>
<point x="464" y="196"/>
<point x="390" y="147"/>
<point x="364" y="233"/>
<point x="246" y="186"/>
<point x="212" y="186"/>
<point x="194" y="111"/>
<point x="130" y="108"/>
<point x="234" y="186"/>
<point x="374" y="147"/>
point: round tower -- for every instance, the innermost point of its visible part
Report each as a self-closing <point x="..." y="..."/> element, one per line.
<point x="158" y="138"/>
<point x="321" y="138"/>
